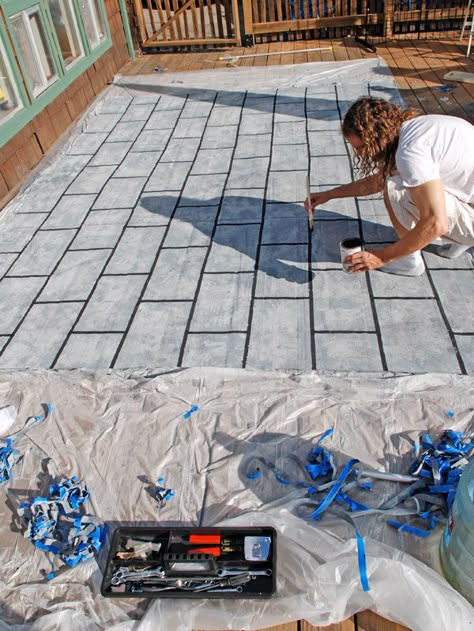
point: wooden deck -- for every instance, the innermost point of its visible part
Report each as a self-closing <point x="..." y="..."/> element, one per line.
<point x="418" y="67"/>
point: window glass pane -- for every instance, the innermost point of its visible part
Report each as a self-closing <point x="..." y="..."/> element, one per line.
<point x="9" y="99"/>
<point x="34" y="49"/>
<point x="65" y="25"/>
<point x="93" y="21"/>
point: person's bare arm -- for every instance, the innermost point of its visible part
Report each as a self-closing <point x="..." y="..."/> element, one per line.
<point x="430" y="202"/>
<point x="366" y="186"/>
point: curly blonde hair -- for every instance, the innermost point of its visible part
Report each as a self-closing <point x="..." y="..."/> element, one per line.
<point x="377" y="123"/>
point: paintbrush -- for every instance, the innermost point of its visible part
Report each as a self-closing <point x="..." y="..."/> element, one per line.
<point x="310" y="210"/>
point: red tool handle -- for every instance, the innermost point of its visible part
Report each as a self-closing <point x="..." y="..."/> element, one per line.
<point x="216" y="551"/>
<point x="196" y="538"/>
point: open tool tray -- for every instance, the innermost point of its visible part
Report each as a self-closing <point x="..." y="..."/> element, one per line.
<point x="191" y="563"/>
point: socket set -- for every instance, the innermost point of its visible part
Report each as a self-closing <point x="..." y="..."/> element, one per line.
<point x="191" y="563"/>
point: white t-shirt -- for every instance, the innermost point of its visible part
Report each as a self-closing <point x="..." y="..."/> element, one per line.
<point x="435" y="147"/>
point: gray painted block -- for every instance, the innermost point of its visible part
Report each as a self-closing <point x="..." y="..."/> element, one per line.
<point x="111" y="304"/>
<point x="91" y="180"/>
<point x="330" y="172"/>
<point x="219" y="137"/>
<point x="226" y="98"/>
<point x="184" y="233"/>
<point x="281" y="336"/>
<point x="114" y="104"/>
<point x="189" y="128"/>
<point x="136" y="251"/>
<point x="414" y="337"/>
<point x="261" y="104"/>
<point x="155" y="336"/>
<point x="335" y="208"/>
<point x="277" y="230"/>
<point x="325" y="242"/>
<point x="75" y="276"/>
<point x="234" y="249"/>
<point x="168" y="176"/>
<point x="258" y="146"/>
<point x="176" y="275"/>
<point x="203" y="190"/>
<point x="393" y="286"/>
<point x="325" y="120"/>
<point x="289" y="133"/>
<point x="30" y="350"/>
<point x="250" y="173"/>
<point x="282" y="188"/>
<point x="223" y="116"/>
<point x="290" y="158"/>
<point x="341" y="302"/>
<point x="126" y="132"/>
<point x="17" y="230"/>
<point x="197" y="109"/>
<point x="291" y="95"/>
<point x="170" y="102"/>
<point x="16" y="296"/>
<point x="326" y="144"/>
<point x="5" y="261"/>
<point x="101" y="122"/>
<point x="465" y="261"/>
<point x="42" y="253"/>
<point x="318" y="99"/>
<point x="218" y="349"/>
<point x="212" y="161"/>
<point x="110" y="153"/>
<point x="181" y="150"/>
<point x="101" y="229"/>
<point x="163" y="120"/>
<point x="223" y="303"/>
<point x="70" y="211"/>
<point x="92" y="351"/>
<point x="376" y="224"/>
<point x="87" y="144"/>
<point x="256" y="124"/>
<point x="154" y="209"/>
<point x="120" y="193"/>
<point x="347" y="351"/>
<point x="242" y="205"/>
<point x="197" y="213"/>
<point x="283" y="272"/>
<point x="285" y="210"/>
<point x="456" y="292"/>
<point x="138" y="164"/>
<point x="292" y="111"/>
<point x="151" y="140"/>
<point x="466" y="348"/>
<point x="138" y="112"/>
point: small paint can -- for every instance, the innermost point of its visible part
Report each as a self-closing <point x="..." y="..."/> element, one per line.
<point x="350" y="246"/>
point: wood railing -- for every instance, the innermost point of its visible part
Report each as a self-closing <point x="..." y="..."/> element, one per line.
<point x="216" y="22"/>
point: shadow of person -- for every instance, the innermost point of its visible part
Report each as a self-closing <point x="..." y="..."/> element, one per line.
<point x="248" y="234"/>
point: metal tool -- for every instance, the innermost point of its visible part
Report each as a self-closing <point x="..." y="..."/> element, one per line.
<point x="238" y="572"/>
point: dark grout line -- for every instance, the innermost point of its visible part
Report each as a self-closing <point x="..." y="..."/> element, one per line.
<point x="310" y="249"/>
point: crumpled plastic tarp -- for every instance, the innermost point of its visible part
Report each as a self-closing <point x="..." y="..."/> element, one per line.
<point x="118" y="431"/>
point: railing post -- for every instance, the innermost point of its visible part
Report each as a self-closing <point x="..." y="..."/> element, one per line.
<point x="388" y="19"/>
<point x="247" y="31"/>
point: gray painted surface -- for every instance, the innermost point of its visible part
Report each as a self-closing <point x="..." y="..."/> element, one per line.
<point x="172" y="232"/>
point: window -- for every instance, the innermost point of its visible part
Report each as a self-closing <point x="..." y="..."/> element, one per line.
<point x="65" y="25"/>
<point x="9" y="98"/>
<point x="34" y="49"/>
<point x="93" y="21"/>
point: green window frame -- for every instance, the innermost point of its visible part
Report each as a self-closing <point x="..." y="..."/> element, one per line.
<point x="33" y="100"/>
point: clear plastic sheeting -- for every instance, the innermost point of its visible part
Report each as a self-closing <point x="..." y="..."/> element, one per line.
<point x="120" y="431"/>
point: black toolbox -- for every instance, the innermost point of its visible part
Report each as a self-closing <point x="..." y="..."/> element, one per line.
<point x="147" y="562"/>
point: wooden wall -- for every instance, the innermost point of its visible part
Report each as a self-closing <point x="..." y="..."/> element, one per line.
<point x="23" y="152"/>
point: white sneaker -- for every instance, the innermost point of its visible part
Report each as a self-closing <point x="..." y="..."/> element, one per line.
<point x="449" y="250"/>
<point x="411" y="265"/>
